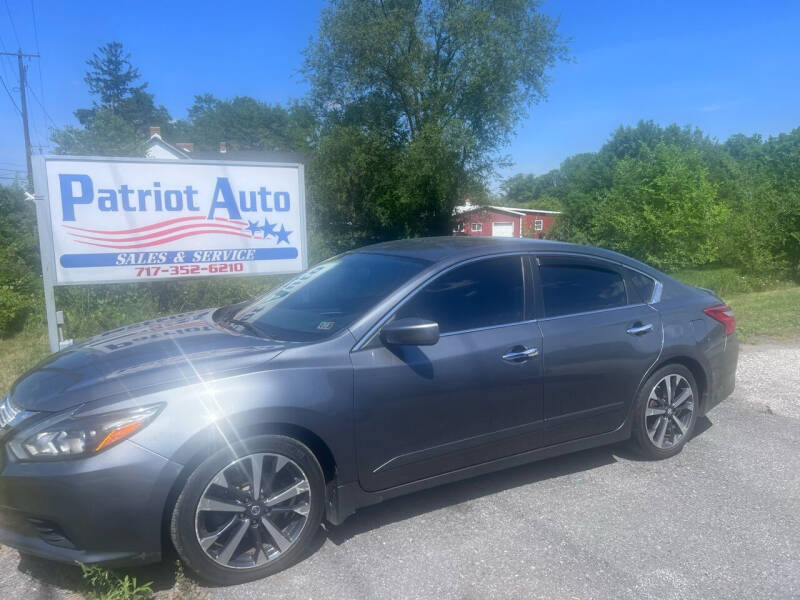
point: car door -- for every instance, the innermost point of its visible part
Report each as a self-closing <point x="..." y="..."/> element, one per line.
<point x="472" y="397"/>
<point x="598" y="340"/>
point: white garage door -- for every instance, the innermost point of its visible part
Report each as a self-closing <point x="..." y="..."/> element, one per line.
<point x="503" y="229"/>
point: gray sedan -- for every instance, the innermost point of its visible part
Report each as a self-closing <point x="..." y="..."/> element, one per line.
<point x="231" y="433"/>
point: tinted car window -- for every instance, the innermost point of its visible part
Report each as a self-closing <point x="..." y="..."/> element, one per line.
<point x="642" y="287"/>
<point x="328" y="297"/>
<point x="578" y="288"/>
<point x="480" y="294"/>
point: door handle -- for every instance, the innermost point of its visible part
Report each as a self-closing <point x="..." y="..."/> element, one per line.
<point x="521" y="355"/>
<point x="640" y="329"/>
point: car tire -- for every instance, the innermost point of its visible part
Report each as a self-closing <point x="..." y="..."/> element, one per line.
<point x="225" y="480"/>
<point x="665" y="412"/>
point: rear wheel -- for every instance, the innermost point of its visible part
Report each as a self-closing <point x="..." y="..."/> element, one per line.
<point x="248" y="513"/>
<point x="665" y="412"/>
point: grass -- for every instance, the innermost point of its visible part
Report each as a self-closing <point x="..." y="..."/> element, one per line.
<point x="767" y="315"/>
<point x="726" y="281"/>
<point x="765" y="308"/>
<point x="110" y="584"/>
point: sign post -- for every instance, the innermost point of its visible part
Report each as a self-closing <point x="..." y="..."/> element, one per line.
<point x="112" y="220"/>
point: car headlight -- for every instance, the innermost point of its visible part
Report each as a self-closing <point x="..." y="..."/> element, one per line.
<point x="72" y="437"/>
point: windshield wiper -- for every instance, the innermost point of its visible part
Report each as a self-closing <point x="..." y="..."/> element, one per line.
<point x="250" y="327"/>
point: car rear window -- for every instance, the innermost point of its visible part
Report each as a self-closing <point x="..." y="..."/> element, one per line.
<point x="642" y="286"/>
<point x="575" y="288"/>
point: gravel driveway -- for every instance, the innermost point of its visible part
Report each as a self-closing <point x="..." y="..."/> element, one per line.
<point x="720" y="520"/>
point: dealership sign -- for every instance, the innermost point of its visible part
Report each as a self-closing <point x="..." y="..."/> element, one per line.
<point x="104" y="220"/>
<point x="138" y="219"/>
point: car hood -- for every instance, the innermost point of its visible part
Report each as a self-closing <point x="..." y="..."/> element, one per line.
<point x="158" y="354"/>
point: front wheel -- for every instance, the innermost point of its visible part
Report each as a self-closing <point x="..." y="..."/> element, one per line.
<point x="249" y="511"/>
<point x="665" y="412"/>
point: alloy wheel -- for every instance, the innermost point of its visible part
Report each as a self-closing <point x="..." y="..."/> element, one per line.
<point x="253" y="510"/>
<point x="669" y="411"/>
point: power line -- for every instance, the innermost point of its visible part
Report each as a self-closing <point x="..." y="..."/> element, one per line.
<point x="36" y="133"/>
<point x="39" y="64"/>
<point x="13" y="27"/>
<point x="10" y="97"/>
<point x="35" y="28"/>
<point x="41" y="104"/>
<point x="3" y="62"/>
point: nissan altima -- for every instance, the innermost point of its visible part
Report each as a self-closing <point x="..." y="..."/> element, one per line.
<point x="231" y="433"/>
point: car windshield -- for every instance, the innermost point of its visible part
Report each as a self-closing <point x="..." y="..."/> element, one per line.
<point x="327" y="298"/>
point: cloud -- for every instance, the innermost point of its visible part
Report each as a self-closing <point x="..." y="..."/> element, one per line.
<point x="717" y="106"/>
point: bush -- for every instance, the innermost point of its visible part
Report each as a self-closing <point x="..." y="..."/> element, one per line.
<point x="677" y="199"/>
<point x="19" y="259"/>
<point x="91" y="309"/>
<point x="661" y="208"/>
<point x="14" y="307"/>
<point x="18" y="289"/>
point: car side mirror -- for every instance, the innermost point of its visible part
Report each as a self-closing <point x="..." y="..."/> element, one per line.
<point x="410" y="332"/>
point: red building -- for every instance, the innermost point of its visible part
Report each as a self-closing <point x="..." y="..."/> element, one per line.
<point x="502" y="221"/>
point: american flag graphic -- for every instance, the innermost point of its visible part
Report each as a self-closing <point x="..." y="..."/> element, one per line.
<point x="158" y="233"/>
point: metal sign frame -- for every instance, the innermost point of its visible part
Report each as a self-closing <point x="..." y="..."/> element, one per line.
<point x="41" y="199"/>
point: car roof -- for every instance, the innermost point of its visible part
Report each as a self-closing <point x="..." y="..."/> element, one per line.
<point x="451" y="248"/>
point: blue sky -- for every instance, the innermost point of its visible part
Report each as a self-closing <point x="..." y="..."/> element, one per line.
<point x="725" y="67"/>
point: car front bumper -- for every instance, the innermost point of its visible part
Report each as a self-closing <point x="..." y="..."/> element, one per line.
<point x="105" y="509"/>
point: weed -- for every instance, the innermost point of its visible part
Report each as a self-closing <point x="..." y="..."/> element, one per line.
<point x="108" y="585"/>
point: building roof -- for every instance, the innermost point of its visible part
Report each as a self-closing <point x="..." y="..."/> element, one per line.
<point x="156" y="141"/>
<point x="272" y="156"/>
<point x="514" y="210"/>
<point x="156" y="147"/>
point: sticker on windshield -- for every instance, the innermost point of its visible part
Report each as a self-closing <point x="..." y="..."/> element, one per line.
<point x="325" y="325"/>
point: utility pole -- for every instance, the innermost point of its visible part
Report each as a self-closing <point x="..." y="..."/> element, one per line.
<point x="24" y="104"/>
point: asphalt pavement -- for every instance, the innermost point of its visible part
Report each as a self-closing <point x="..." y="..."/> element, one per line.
<point x="720" y="520"/>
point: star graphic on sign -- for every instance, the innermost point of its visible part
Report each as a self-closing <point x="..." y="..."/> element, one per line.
<point x="268" y="229"/>
<point x="283" y="235"/>
<point x="253" y="227"/>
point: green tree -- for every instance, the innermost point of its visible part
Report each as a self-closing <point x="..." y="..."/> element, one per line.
<point x="662" y="208"/>
<point x="434" y="87"/>
<point x="529" y="191"/>
<point x="112" y="76"/>
<point x="118" y="121"/>
<point x="105" y="135"/>
<point x="581" y="181"/>
<point x="245" y="123"/>
<point x="765" y="218"/>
